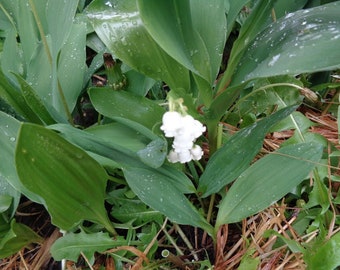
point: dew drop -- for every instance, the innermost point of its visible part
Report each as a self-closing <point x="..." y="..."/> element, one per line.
<point x="274" y="60"/>
<point x="12" y="139"/>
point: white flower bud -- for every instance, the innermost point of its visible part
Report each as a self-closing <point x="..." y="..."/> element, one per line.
<point x="184" y="156"/>
<point x="172" y="122"/>
<point x="182" y="142"/>
<point x="196" y="152"/>
<point x="173" y="156"/>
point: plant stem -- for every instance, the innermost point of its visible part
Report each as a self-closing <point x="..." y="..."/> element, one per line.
<point x="179" y="251"/>
<point x="185" y="239"/>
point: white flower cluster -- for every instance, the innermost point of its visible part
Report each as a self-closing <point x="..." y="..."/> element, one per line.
<point x="185" y="130"/>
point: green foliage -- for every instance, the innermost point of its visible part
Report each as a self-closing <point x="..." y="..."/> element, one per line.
<point x="15" y="236"/>
<point x="236" y="154"/>
<point x="162" y="192"/>
<point x="287" y="168"/>
<point x="71" y="245"/>
<point x="53" y="169"/>
<point x="241" y="63"/>
<point x="127" y="106"/>
<point x="329" y="249"/>
<point x="301" y="36"/>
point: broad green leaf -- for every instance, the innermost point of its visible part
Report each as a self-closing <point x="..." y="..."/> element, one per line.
<point x="17" y="237"/>
<point x="72" y="61"/>
<point x="300" y="120"/>
<point x="192" y="32"/>
<point x="12" y="57"/>
<point x="5" y="201"/>
<point x="15" y="99"/>
<point x="106" y="147"/>
<point x="71" y="183"/>
<point x="123" y="156"/>
<point x="39" y="75"/>
<point x="325" y="256"/>
<point x="268" y="180"/>
<point x="281" y="8"/>
<point x="34" y="101"/>
<point x="59" y="22"/>
<point x="236" y="154"/>
<point x="157" y="190"/>
<point x="9" y="196"/>
<point x="126" y="105"/>
<point x="256" y="21"/>
<point x="268" y="93"/>
<point x="154" y="153"/>
<point x="71" y="245"/>
<point x="139" y="84"/>
<point x="9" y="181"/>
<point x="235" y="6"/>
<point x="27" y="28"/>
<point x="118" y="132"/>
<point x="118" y="24"/>
<point x="131" y="210"/>
<point x="50" y="52"/>
<point x="309" y="38"/>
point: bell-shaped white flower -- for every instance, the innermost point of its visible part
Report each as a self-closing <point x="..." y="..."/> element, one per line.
<point x="172" y="122"/>
<point x="196" y="152"/>
<point x="185" y="130"/>
<point x="184" y="156"/>
<point x="173" y="156"/>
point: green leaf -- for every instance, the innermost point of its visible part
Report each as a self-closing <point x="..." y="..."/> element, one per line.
<point x="12" y="56"/>
<point x="118" y="24"/>
<point x="269" y="93"/>
<point x="325" y="256"/>
<point x="71" y="183"/>
<point x="233" y="11"/>
<point x="248" y="262"/>
<point x="139" y="84"/>
<point x="292" y="244"/>
<point x="154" y="153"/>
<point x="59" y="22"/>
<point x="9" y="180"/>
<point x="268" y="180"/>
<point x="5" y="201"/>
<point x="281" y="8"/>
<point x="71" y="245"/>
<point x="192" y="32"/>
<point x="105" y="147"/>
<point x="158" y="190"/>
<point x="131" y="210"/>
<point x="17" y="237"/>
<point x="300" y="121"/>
<point x="34" y="101"/>
<point x="53" y="48"/>
<point x="303" y="36"/>
<point x="72" y="60"/>
<point x="118" y="132"/>
<point x="126" y="105"/>
<point x="236" y="154"/>
<point x="319" y="194"/>
<point x="27" y="28"/>
<point x="256" y="21"/>
<point x="15" y="99"/>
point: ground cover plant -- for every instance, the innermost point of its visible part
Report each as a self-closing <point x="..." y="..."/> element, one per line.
<point x="169" y="134"/>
